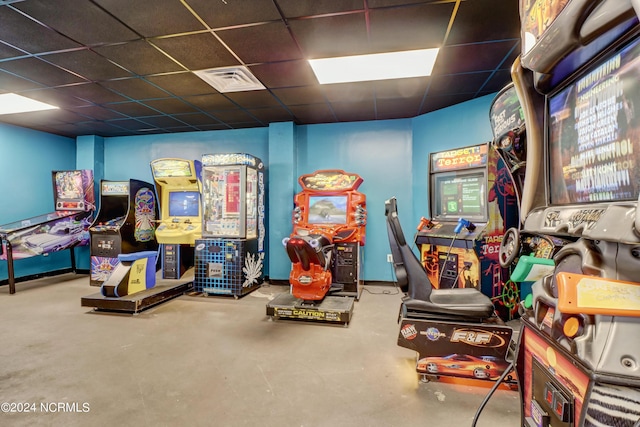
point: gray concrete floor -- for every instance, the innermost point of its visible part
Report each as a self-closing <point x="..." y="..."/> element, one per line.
<point x="218" y="361"/>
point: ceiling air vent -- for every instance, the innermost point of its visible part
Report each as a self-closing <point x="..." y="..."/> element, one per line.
<point x="230" y="79"/>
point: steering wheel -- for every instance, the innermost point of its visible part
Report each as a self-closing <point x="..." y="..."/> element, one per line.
<point x="509" y="247"/>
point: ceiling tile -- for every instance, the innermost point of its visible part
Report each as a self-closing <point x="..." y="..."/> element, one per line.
<point x="23" y="33"/>
<point x="139" y="57"/>
<point x="301" y="95"/>
<point x="197" y="52"/>
<point x="332" y="36"/>
<point x="470" y="58"/>
<point x="433" y="103"/>
<point x="354" y="111"/>
<point x="196" y="119"/>
<point x="98" y="113"/>
<point x="391" y="108"/>
<point x="88" y="64"/>
<point x="40" y="71"/>
<point x="285" y="74"/>
<point x="9" y="52"/>
<point x="182" y="84"/>
<point x="211" y="102"/>
<point x="135" y="89"/>
<point x="297" y="8"/>
<point x="92" y="92"/>
<point x="404" y="28"/>
<point x="169" y="16"/>
<point x="162" y="121"/>
<point x="496" y="23"/>
<point x="233" y="116"/>
<point x="402" y="88"/>
<point x="315" y="113"/>
<point x="11" y="83"/>
<point x="170" y="106"/>
<point x="349" y="92"/>
<point x="218" y="14"/>
<point x="272" y="114"/>
<point x="57" y="97"/>
<point x="253" y="99"/>
<point x="65" y="17"/>
<point x="132" y="109"/>
<point x="261" y="43"/>
<point x="457" y="83"/>
<point x="497" y="81"/>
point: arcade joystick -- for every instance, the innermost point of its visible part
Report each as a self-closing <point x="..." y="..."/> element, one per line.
<point x="425" y="223"/>
<point x="463" y="223"/>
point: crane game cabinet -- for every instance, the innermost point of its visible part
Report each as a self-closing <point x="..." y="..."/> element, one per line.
<point x="578" y="359"/>
<point x="325" y="248"/>
<point x="473" y="201"/>
<point x="125" y="223"/>
<point x="177" y="185"/>
<point x="64" y="228"/>
<point x="230" y="256"/>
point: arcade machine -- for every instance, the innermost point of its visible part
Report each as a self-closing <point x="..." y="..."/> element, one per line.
<point x="180" y="213"/>
<point x="229" y="257"/>
<point x="62" y="229"/>
<point x="329" y="221"/>
<point x="578" y="360"/>
<point x="132" y="287"/>
<point x="125" y="223"/>
<point x="473" y="201"/>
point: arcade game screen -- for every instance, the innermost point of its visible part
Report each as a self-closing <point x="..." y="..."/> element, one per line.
<point x="594" y="125"/>
<point x="184" y="203"/>
<point x="328" y="210"/>
<point x="69" y="185"/>
<point x="460" y="194"/>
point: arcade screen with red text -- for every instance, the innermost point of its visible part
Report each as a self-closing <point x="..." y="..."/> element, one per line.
<point x="594" y="130"/>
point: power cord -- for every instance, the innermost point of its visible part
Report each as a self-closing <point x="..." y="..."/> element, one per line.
<point x="493" y="389"/>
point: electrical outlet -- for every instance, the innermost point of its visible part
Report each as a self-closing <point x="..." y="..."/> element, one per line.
<point x="390" y="258"/>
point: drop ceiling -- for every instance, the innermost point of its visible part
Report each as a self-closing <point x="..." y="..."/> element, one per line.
<point x="126" y="67"/>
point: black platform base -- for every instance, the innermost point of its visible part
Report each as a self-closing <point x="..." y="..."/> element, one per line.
<point x="331" y="309"/>
<point x="164" y="290"/>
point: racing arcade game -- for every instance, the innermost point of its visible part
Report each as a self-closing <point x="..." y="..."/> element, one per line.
<point x="473" y="201"/>
<point x="329" y="228"/>
<point x="578" y="360"/>
<point x="125" y="223"/>
<point x="229" y="258"/>
<point x="64" y="228"/>
<point x="180" y="213"/>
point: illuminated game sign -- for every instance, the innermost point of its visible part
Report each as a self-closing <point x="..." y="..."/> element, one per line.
<point x="506" y="113"/>
<point x="462" y="158"/>
<point x="593" y="130"/>
<point x="538" y="15"/>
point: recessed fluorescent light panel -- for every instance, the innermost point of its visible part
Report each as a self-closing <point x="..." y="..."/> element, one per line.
<point x="10" y="103"/>
<point x="378" y="66"/>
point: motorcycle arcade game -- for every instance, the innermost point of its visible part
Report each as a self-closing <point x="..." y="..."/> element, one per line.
<point x="123" y="232"/>
<point x="578" y="360"/>
<point x="473" y="201"/>
<point x="229" y="258"/>
<point x="329" y="228"/>
<point x="64" y="228"/>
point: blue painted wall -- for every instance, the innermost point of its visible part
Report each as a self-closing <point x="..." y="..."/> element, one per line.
<point x="27" y="158"/>
<point x="391" y="156"/>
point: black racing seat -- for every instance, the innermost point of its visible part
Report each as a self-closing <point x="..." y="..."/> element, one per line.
<point x="422" y="300"/>
<point x="308" y="250"/>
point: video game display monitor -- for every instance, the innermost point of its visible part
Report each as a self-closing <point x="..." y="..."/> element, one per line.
<point x="328" y="209"/>
<point x="592" y="133"/>
<point x="230" y="255"/>
<point x="184" y="204"/>
<point x="461" y="194"/>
